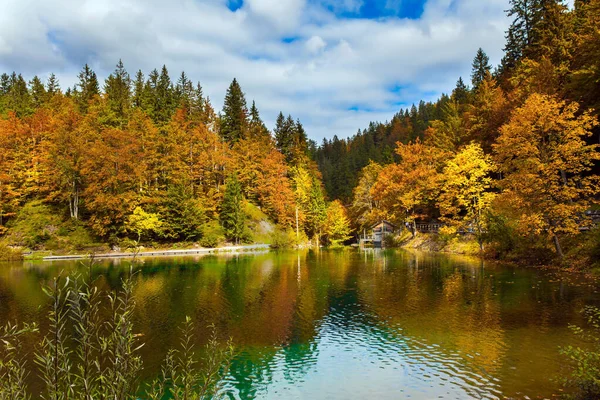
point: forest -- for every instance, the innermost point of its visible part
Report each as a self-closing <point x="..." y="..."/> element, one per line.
<point x="511" y="159"/>
<point x="149" y="159"/>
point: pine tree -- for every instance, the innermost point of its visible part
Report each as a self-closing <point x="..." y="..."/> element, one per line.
<point x="234" y="121"/>
<point x="232" y="215"/>
<point x="480" y="68"/>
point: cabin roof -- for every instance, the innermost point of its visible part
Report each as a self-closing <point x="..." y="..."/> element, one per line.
<point x="385" y="222"/>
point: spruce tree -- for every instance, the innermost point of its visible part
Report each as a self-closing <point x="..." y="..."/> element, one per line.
<point x="88" y="88"/>
<point x="138" y="90"/>
<point x="38" y="92"/>
<point x="52" y="86"/>
<point x="232" y="215"/>
<point x="4" y="83"/>
<point x="165" y="101"/>
<point x="481" y="67"/>
<point x="19" y="99"/>
<point x="234" y="121"/>
<point x="118" y="91"/>
<point x="198" y="105"/>
<point x="460" y="92"/>
<point x="257" y="126"/>
<point x="184" y="92"/>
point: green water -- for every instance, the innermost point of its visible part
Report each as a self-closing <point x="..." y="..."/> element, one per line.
<point x="348" y="324"/>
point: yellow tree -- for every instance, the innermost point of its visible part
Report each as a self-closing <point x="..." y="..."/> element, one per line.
<point x="544" y="158"/>
<point x="407" y="190"/>
<point x="465" y="194"/>
<point x="64" y="181"/>
<point x="364" y="207"/>
<point x="141" y="223"/>
<point x="337" y="225"/>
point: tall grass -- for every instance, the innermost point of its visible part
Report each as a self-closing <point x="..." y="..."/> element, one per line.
<point x="91" y="350"/>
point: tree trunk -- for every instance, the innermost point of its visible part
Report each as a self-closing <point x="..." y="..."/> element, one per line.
<point x="557" y="246"/>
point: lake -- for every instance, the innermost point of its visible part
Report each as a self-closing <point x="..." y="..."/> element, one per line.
<point x="384" y="324"/>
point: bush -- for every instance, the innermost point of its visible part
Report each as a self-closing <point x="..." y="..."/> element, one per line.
<point x="35" y="224"/>
<point x="10" y="254"/>
<point x="585" y="363"/>
<point x="283" y="238"/>
<point x="447" y="233"/>
<point x="391" y="241"/>
<point x="593" y="246"/>
<point x="212" y="234"/>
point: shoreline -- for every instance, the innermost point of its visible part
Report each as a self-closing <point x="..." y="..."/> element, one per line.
<point x="159" y="253"/>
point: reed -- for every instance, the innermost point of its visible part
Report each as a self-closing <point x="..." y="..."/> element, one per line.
<point x="91" y="350"/>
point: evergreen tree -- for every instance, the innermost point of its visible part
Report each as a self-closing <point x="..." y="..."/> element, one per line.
<point x="52" y="86"/>
<point x="232" y="215"/>
<point x="138" y="90"/>
<point x="256" y="125"/>
<point x="460" y="92"/>
<point x="38" y="92"/>
<point x="165" y="102"/>
<point x="198" y="105"/>
<point x="4" y="83"/>
<point x="184" y="92"/>
<point x="88" y="88"/>
<point x="480" y="68"/>
<point x="118" y="91"/>
<point x="19" y="99"/>
<point x="234" y="121"/>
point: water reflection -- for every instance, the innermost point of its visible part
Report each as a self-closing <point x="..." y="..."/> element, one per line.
<point x="346" y="324"/>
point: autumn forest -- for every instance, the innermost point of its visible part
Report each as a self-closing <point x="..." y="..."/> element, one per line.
<point x="508" y="159"/>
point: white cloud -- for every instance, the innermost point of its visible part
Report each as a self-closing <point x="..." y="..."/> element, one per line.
<point x="282" y="14"/>
<point x="331" y="66"/>
<point x="315" y="44"/>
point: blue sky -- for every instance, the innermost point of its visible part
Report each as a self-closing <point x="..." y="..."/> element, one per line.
<point x="335" y="64"/>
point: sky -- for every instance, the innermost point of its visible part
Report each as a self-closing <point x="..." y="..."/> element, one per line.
<point x="334" y="64"/>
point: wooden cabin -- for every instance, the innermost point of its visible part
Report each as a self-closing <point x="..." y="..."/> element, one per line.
<point x="378" y="231"/>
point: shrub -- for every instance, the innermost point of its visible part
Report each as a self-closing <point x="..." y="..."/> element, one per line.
<point x="8" y="253"/>
<point x="447" y="233"/>
<point x="585" y="363"/>
<point x="390" y="241"/>
<point x="212" y="234"/>
<point x="34" y="224"/>
<point x="283" y="238"/>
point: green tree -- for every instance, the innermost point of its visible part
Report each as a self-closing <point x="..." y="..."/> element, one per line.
<point x="118" y="92"/>
<point x="234" y="121"/>
<point x="52" y="86"/>
<point x="480" y="68"/>
<point x="38" y="92"/>
<point x="88" y="88"/>
<point x="232" y="215"/>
